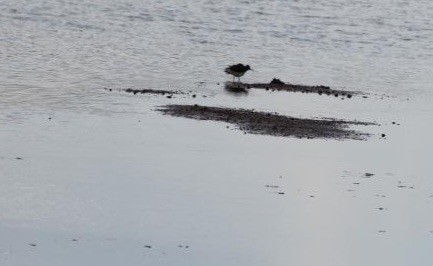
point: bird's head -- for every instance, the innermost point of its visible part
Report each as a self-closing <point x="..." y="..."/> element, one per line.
<point x="248" y="67"/>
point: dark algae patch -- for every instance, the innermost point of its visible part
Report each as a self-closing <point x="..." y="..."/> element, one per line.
<point x="273" y="124"/>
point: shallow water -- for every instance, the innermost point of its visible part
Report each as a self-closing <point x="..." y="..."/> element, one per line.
<point x="113" y="174"/>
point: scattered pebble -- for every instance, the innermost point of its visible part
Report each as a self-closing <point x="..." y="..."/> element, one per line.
<point x="147" y="246"/>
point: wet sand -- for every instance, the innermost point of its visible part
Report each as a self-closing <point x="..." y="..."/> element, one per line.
<point x="273" y="124"/>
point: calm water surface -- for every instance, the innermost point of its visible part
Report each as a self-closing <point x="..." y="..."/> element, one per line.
<point x="64" y="52"/>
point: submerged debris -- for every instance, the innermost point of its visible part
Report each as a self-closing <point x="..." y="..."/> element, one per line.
<point x="273" y="124"/>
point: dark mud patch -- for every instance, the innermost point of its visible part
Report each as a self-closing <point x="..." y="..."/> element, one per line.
<point x="273" y="124"/>
<point x="278" y="85"/>
<point x="147" y="91"/>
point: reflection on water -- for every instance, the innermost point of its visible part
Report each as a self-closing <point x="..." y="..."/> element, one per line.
<point x="236" y="89"/>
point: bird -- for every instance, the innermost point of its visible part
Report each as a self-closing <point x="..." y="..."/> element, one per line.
<point x="237" y="71"/>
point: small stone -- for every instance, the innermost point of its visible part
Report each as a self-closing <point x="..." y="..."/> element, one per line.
<point x="276" y="81"/>
<point x="32" y="244"/>
<point x="383" y="135"/>
<point x="193" y="96"/>
<point x="148" y="246"/>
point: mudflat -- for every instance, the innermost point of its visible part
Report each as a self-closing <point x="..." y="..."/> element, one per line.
<point x="274" y="124"/>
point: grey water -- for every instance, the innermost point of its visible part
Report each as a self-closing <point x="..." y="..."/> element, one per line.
<point x="57" y="52"/>
<point x="91" y="177"/>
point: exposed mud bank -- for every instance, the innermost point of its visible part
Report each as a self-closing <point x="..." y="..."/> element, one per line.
<point x="278" y="85"/>
<point x="270" y="123"/>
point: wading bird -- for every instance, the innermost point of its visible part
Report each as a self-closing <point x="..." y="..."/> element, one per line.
<point x="237" y="71"/>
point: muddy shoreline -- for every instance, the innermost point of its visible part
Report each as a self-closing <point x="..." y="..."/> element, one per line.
<point x="273" y="124"/>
